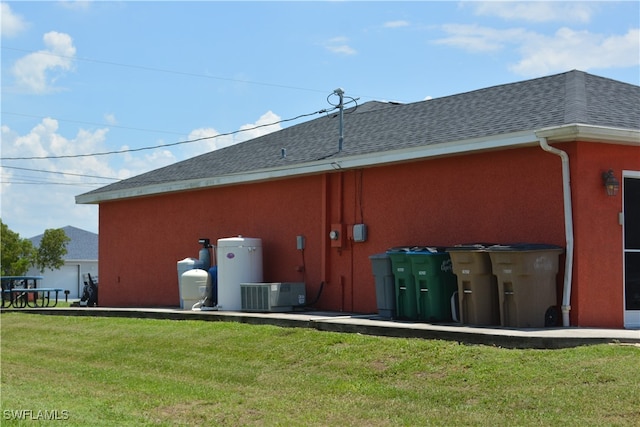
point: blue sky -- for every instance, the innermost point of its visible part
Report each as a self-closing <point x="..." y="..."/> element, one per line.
<point x="91" y="77"/>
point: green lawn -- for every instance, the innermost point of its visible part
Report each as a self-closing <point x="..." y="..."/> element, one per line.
<point x="113" y="371"/>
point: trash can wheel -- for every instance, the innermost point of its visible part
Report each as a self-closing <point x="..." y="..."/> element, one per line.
<point x="551" y="317"/>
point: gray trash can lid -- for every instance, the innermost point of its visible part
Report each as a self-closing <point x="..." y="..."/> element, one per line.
<point x="524" y="247"/>
<point x="470" y="247"/>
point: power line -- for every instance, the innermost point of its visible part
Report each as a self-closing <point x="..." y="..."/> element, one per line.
<point x="20" y="179"/>
<point x="130" y="150"/>
<point x="79" y="184"/>
<point x="17" y="180"/>
<point x="182" y="73"/>
<point x="59" y="173"/>
<point x="161" y="70"/>
<point x="92" y="123"/>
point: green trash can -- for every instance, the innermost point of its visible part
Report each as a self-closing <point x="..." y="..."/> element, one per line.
<point x="385" y="286"/>
<point x="477" y="286"/>
<point x="435" y="283"/>
<point x="526" y="276"/>
<point x="406" y="305"/>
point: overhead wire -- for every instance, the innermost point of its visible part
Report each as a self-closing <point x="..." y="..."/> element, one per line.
<point x="188" y="141"/>
<point x="72" y="184"/>
<point x="132" y="128"/>
<point x="58" y="173"/>
<point x="91" y="123"/>
<point x="182" y="73"/>
<point x="23" y="179"/>
<point x="161" y="70"/>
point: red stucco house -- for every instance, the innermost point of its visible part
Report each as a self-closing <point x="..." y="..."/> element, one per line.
<point x="520" y="162"/>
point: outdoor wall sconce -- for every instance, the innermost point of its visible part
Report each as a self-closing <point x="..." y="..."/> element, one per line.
<point x="611" y="184"/>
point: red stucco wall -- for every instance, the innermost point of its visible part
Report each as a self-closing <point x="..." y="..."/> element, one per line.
<point x="501" y="196"/>
<point x="598" y="269"/>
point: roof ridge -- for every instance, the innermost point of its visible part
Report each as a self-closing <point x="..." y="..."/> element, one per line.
<point x="575" y="105"/>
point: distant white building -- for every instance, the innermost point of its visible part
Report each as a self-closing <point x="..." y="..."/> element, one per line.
<point x="81" y="258"/>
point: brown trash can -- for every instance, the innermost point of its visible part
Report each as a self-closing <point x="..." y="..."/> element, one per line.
<point x="526" y="275"/>
<point x="477" y="286"/>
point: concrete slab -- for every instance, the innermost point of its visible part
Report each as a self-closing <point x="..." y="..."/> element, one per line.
<point x="546" y="338"/>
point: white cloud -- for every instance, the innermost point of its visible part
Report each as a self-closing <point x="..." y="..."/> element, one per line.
<point x="33" y="71"/>
<point x="38" y="200"/>
<point x="475" y="38"/>
<point x="340" y="46"/>
<point x="396" y="24"/>
<point x="44" y="140"/>
<point x="213" y="142"/>
<point x="538" y="11"/>
<point x="568" y="49"/>
<point x="110" y="118"/>
<point x="75" y="4"/>
<point x="12" y="24"/>
<point x="136" y="163"/>
<point x="541" y="54"/>
<point x="262" y="126"/>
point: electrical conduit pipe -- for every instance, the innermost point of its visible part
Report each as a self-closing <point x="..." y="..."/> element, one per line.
<point x="568" y="227"/>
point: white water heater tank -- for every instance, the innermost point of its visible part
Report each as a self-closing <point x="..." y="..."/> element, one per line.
<point x="239" y="261"/>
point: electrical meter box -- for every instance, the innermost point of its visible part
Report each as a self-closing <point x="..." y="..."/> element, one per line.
<point x="360" y="233"/>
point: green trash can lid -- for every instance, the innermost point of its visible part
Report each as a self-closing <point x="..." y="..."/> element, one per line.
<point x="422" y="250"/>
<point x="399" y="249"/>
<point x="426" y="250"/>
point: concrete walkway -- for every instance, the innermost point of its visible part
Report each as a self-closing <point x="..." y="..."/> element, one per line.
<point x="547" y="338"/>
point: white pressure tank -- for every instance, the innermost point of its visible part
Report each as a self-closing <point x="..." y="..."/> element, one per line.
<point x="183" y="266"/>
<point x="239" y="261"/>
<point x="192" y="286"/>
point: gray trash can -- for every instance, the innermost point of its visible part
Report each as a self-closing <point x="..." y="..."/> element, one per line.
<point x="385" y="285"/>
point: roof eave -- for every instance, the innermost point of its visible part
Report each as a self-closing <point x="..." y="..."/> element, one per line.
<point x="590" y="133"/>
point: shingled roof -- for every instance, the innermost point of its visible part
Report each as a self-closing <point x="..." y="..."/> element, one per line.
<point x="376" y="129"/>
<point x="82" y="246"/>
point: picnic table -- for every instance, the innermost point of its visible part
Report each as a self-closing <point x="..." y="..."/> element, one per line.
<point x="23" y="291"/>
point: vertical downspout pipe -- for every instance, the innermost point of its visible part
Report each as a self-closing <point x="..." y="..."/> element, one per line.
<point x="568" y="228"/>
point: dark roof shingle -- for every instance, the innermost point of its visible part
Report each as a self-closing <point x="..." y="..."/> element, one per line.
<point x="82" y="246"/>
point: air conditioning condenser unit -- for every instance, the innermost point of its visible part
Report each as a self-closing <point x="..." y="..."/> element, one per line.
<point x="272" y="297"/>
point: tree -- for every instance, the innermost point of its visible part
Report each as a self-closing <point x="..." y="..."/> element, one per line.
<point x="53" y="247"/>
<point x="17" y="254"/>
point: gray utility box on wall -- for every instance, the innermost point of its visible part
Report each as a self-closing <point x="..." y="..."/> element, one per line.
<point x="272" y="297"/>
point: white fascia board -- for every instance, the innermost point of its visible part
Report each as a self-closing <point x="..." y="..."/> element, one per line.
<point x="590" y="133"/>
<point x="438" y="150"/>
